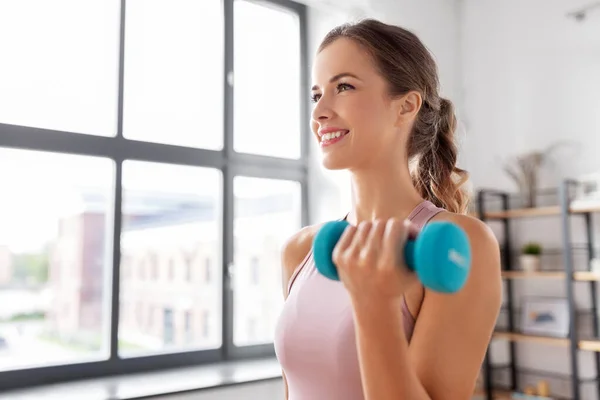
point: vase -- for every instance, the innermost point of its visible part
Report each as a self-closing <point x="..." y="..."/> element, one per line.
<point x="528" y="196"/>
<point x="530" y="262"/>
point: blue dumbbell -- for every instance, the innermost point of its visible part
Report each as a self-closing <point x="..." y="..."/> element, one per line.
<point x="440" y="255"/>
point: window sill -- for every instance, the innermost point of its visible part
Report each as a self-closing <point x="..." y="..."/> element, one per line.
<point x="156" y="383"/>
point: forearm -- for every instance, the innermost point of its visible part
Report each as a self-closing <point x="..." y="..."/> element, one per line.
<point x="383" y="353"/>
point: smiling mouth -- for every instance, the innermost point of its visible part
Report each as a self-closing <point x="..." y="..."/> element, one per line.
<point x="333" y="137"/>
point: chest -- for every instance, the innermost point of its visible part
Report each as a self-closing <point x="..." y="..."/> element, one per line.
<point x="316" y="324"/>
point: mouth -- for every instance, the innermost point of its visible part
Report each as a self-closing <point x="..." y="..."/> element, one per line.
<point x="329" y="138"/>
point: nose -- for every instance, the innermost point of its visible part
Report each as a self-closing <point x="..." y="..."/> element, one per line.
<point x="322" y="110"/>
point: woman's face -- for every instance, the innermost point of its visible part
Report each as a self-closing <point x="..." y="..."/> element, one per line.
<point x="354" y="119"/>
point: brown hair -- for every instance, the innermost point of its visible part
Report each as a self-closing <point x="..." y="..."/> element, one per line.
<point x="406" y="64"/>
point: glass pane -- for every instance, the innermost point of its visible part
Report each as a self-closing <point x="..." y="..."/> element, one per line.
<point x="54" y="213"/>
<point x="59" y="66"/>
<point x="267" y="80"/>
<point x="267" y="213"/>
<point x="174" y="72"/>
<point x="171" y="250"/>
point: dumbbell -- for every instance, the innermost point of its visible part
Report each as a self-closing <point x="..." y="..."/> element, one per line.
<point x="440" y="255"/>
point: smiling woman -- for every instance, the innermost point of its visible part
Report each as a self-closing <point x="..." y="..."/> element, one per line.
<point x="378" y="333"/>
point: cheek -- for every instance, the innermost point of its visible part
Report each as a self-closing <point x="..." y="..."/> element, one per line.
<point x="367" y="116"/>
<point x="314" y="126"/>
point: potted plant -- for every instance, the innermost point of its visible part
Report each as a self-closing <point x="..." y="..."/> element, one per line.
<point x="530" y="256"/>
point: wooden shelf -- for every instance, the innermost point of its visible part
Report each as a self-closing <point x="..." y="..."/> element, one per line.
<point x="589" y="345"/>
<point x="585" y="276"/>
<point x="534" y="274"/>
<point x="524" y="212"/>
<point x="584" y="344"/>
<point x="521" y="337"/>
<point x="536" y="212"/>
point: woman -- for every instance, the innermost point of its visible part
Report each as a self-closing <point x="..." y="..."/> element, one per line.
<point x="378" y="334"/>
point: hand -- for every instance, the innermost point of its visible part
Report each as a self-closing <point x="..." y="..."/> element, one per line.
<point x="370" y="261"/>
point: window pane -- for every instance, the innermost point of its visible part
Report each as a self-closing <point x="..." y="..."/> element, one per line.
<point x="170" y="258"/>
<point x="174" y="72"/>
<point x="267" y="213"/>
<point x="267" y="80"/>
<point x="59" y="66"/>
<point x="54" y="212"/>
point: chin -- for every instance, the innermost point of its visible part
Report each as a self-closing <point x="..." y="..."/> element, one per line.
<point x="329" y="161"/>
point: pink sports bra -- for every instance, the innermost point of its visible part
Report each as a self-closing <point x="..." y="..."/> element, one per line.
<point x="314" y="337"/>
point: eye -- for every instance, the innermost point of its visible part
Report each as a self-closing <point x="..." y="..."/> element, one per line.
<point x="341" y="87"/>
<point x="344" y="86"/>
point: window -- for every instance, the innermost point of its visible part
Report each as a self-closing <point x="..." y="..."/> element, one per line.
<point x="143" y="201"/>
<point x="153" y="259"/>
<point x="52" y="78"/>
<point x="52" y="296"/>
<point x="189" y="332"/>
<point x="169" y="216"/>
<point x="280" y="137"/>
<point x="190" y="254"/>
<point x="254" y="271"/>
<point x="205" y="324"/>
<point x="251" y="333"/>
<point x="172" y="93"/>
<point x="168" y="328"/>
<point x="266" y="212"/>
<point x="207" y="271"/>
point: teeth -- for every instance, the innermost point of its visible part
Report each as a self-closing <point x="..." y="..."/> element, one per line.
<point x="333" y="135"/>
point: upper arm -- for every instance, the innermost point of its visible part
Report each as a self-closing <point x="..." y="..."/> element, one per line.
<point x="293" y="253"/>
<point x="453" y="331"/>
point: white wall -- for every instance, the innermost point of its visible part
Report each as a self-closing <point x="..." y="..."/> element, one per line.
<point x="530" y="77"/>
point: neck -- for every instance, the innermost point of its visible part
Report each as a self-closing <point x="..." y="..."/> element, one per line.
<point x="382" y="193"/>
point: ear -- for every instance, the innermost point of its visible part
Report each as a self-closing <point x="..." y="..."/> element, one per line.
<point x="408" y="107"/>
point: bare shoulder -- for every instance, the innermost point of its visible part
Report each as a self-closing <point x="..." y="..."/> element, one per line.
<point x="294" y="250"/>
<point x="485" y="280"/>
<point x="480" y="234"/>
<point x="485" y="250"/>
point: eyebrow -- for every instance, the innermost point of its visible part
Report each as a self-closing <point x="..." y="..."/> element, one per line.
<point x="338" y="77"/>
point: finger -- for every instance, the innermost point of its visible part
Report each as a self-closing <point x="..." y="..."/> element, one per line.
<point x="394" y="236"/>
<point x="359" y="241"/>
<point x="375" y="238"/>
<point x="347" y="237"/>
<point x="343" y="243"/>
<point x="371" y="247"/>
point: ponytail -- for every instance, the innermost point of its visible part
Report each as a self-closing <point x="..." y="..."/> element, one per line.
<point x="436" y="176"/>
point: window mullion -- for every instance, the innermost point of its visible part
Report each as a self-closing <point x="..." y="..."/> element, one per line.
<point x="228" y="88"/>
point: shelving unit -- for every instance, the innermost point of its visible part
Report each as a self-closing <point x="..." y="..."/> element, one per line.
<point x="573" y="342"/>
